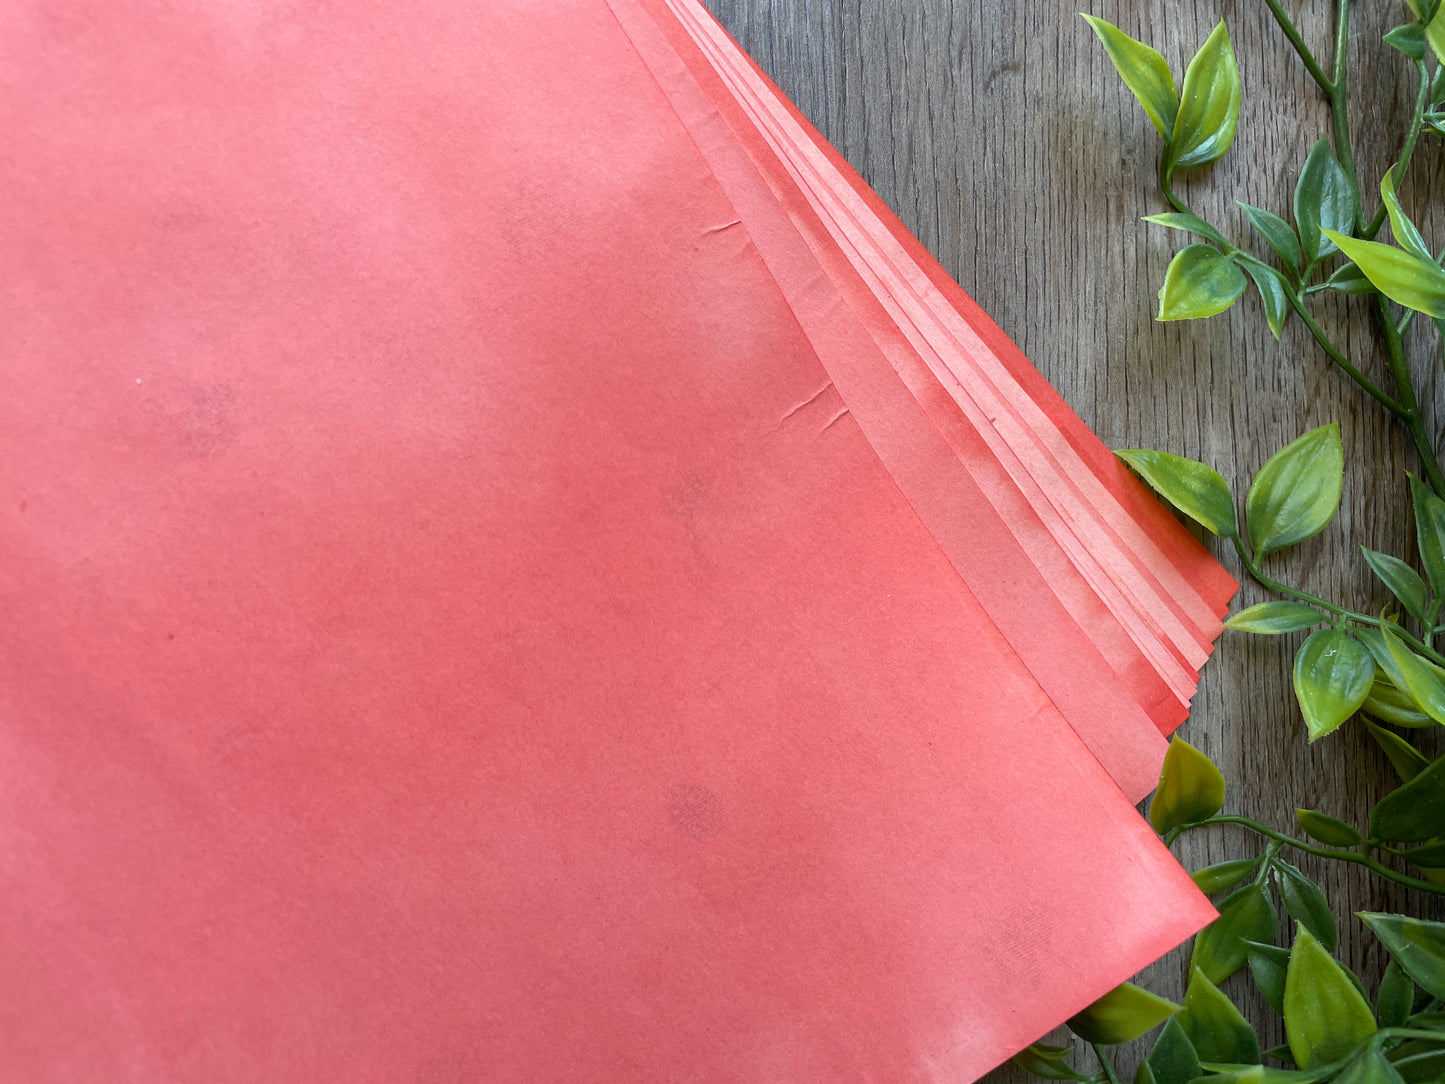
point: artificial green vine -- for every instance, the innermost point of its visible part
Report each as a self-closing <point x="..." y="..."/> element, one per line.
<point x="1385" y="670"/>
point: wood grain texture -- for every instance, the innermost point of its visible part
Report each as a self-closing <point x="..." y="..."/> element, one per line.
<point x="1002" y="137"/>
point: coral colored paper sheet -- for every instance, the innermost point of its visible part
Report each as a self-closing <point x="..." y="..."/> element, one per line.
<point x="453" y="626"/>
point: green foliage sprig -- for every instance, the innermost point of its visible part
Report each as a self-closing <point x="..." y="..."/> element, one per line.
<point x="1385" y="669"/>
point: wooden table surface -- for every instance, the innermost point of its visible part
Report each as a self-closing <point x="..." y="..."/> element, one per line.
<point x="1002" y="137"/>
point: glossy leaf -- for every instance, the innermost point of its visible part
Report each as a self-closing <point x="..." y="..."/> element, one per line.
<point x="1047" y="1062"/>
<point x="1190" y="788"/>
<point x="1409" y="39"/>
<point x="1425" y="1064"/>
<point x="1222" y="875"/>
<point x="1325" y="1015"/>
<point x="1407" y="761"/>
<point x="1297" y="491"/>
<point x="1173" y="1060"/>
<point x="1417" y="945"/>
<point x="1122" y="1015"/>
<point x="1306" y="904"/>
<point x="1403" y="581"/>
<point x="1333" y="674"/>
<point x="1145" y="1074"/>
<point x="1195" y="489"/>
<point x="1396" y="996"/>
<point x="1429" y="855"/>
<point x="1415" y="811"/>
<point x="1405" y="233"/>
<point x="1430" y="533"/>
<point x="1273" y="295"/>
<point x="1329" y="830"/>
<point x="1201" y="281"/>
<point x="1217" y="1030"/>
<point x="1324" y="199"/>
<point x="1263" y="1074"/>
<point x="1208" y="104"/>
<point x="1268" y="965"/>
<point x="1275" y="618"/>
<point x="1144" y="72"/>
<point x="1349" y="279"/>
<point x="1189" y="223"/>
<point x="1421" y="679"/>
<point x="1220" y="948"/>
<point x="1277" y="233"/>
<point x="1401" y="276"/>
<point x="1369" y="1067"/>
<point x="1389" y="704"/>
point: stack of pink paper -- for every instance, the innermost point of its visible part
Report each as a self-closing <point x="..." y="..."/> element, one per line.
<point x="518" y="568"/>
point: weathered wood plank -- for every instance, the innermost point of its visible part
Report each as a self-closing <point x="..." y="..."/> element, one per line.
<point x="1001" y="136"/>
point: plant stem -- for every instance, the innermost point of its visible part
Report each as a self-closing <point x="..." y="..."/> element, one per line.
<point x="1105" y="1063"/>
<point x="1339" y="92"/>
<point x="1338" y="357"/>
<point x="1417" y="116"/>
<point x="1405" y="388"/>
<point x="1311" y="64"/>
<point x="1166" y="178"/>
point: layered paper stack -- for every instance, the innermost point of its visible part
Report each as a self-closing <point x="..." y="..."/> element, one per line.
<point x="517" y="567"/>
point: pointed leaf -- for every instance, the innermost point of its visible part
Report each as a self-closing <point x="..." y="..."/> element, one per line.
<point x="1386" y="702"/>
<point x="1277" y="233"/>
<point x="1189" y="223"/>
<point x="1214" y="1026"/>
<point x="1274" y="618"/>
<point x="1402" y="580"/>
<point x="1038" y="1061"/>
<point x="1401" y="276"/>
<point x="1268" y="965"/>
<point x="1122" y="1015"/>
<point x="1417" y="945"/>
<point x="1220" y="948"/>
<point x="1405" y="233"/>
<point x="1144" y="72"/>
<point x="1415" y="811"/>
<point x="1327" y="829"/>
<point x="1421" y="679"/>
<point x="1332" y="676"/>
<point x="1190" y="788"/>
<point x="1195" y="489"/>
<point x="1325" y="1016"/>
<point x="1409" y="39"/>
<point x="1407" y="761"/>
<point x="1349" y="279"/>
<point x="1324" y="199"/>
<point x="1396" y="996"/>
<point x="1273" y="295"/>
<point x="1144" y="1074"/>
<point x="1297" y="491"/>
<point x="1430" y="533"/>
<point x="1369" y="1067"/>
<point x="1201" y="281"/>
<point x="1208" y="104"/>
<point x="1429" y="855"/>
<point x="1173" y="1059"/>
<point x="1222" y="875"/>
<point x="1306" y="904"/>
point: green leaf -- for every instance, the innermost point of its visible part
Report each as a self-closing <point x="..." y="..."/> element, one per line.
<point x="1297" y="491"/>
<point x="1417" y="945"/>
<point x="1045" y="1061"/>
<point x="1349" y="279"/>
<point x="1220" y="948"/>
<point x="1274" y="618"/>
<point x="1369" y="1067"/>
<point x="1327" y="829"/>
<point x="1145" y="1074"/>
<point x="1401" y="276"/>
<point x="1306" y="904"/>
<point x="1430" y="855"/>
<point x="1325" y="1015"/>
<point x="1173" y="1059"/>
<point x="1408" y="761"/>
<point x="1222" y="875"/>
<point x="1268" y="965"/>
<point x="1332" y="676"/>
<point x="1261" y="1074"/>
<point x="1277" y="233"/>
<point x="1402" y="580"/>
<point x="1144" y="72"/>
<point x="1189" y="223"/>
<point x="1190" y="788"/>
<point x="1201" y="281"/>
<point x="1409" y="39"/>
<point x="1406" y="235"/>
<point x="1195" y="489"/>
<point x="1413" y="812"/>
<point x="1273" y="295"/>
<point x="1430" y="533"/>
<point x="1214" y="1026"/>
<point x="1324" y="199"/>
<point x="1419" y="1061"/>
<point x="1388" y="703"/>
<point x="1122" y="1015"/>
<point x="1396" y="996"/>
<point x="1421" y="679"/>
<point x="1208" y="105"/>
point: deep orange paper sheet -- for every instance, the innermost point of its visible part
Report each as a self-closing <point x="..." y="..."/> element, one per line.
<point x="452" y="625"/>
